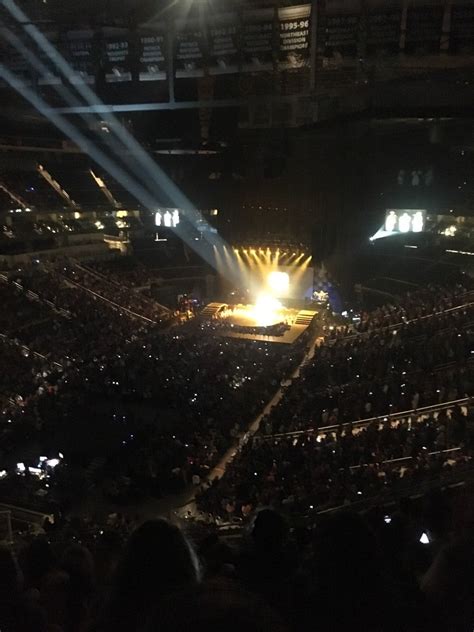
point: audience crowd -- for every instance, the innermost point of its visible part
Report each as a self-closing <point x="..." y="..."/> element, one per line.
<point x="353" y="377"/>
<point x="312" y="472"/>
<point x="125" y="296"/>
<point x="405" y="568"/>
<point x="127" y="272"/>
<point x="382" y="372"/>
<point x="418" y="304"/>
<point x="136" y="409"/>
<point x="166" y="403"/>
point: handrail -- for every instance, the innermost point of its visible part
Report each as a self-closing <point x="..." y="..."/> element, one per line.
<point x="116" y="305"/>
<point x="403" y="459"/>
<point x="366" y="422"/>
<point x="21" y="514"/>
<point x="102" y="277"/>
<point x="34" y="296"/>
<point x="359" y="334"/>
<point x="437" y="369"/>
<point x="417" y="489"/>
<point x="7" y="340"/>
<point x="389" y="497"/>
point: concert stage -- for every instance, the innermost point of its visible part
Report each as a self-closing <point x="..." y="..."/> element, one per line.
<point x="267" y="322"/>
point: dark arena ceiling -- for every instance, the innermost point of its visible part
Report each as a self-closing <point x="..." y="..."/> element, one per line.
<point x="251" y="65"/>
<point x="255" y="105"/>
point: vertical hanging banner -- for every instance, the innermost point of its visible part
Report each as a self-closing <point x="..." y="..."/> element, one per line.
<point x="257" y="40"/>
<point x="424" y="29"/>
<point x="383" y="28"/>
<point x="78" y="49"/>
<point x="153" y="54"/>
<point x="190" y="48"/>
<point x="340" y="35"/>
<point x="223" y="32"/>
<point x="462" y="28"/>
<point x="295" y="35"/>
<point x="116" y="57"/>
<point x="51" y="76"/>
<point x="15" y="62"/>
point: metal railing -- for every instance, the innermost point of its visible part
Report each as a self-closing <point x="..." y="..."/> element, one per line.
<point x="410" y="489"/>
<point x="402" y="323"/>
<point x="104" y="278"/>
<point x="360" y="423"/>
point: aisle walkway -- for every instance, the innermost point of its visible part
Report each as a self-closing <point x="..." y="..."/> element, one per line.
<point x="220" y="468"/>
<point x="179" y="505"/>
<point x="187" y="505"/>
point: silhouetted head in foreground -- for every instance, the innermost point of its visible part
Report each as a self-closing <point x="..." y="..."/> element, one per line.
<point x="349" y="585"/>
<point x="157" y="560"/>
<point x="212" y="608"/>
<point x="270" y="530"/>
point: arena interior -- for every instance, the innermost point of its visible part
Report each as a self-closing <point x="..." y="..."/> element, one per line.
<point x="237" y="315"/>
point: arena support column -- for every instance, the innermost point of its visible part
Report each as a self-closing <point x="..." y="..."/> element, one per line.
<point x="170" y="52"/>
<point x="446" y="28"/>
<point x="314" y="45"/>
<point x="403" y="26"/>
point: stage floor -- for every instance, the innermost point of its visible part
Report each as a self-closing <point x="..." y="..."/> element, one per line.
<point x="243" y="316"/>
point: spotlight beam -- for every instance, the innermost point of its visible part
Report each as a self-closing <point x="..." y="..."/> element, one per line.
<point x="66" y="94"/>
<point x="144" y="196"/>
<point x="148" y="170"/>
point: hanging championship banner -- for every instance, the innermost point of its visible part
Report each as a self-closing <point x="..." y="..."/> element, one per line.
<point x="51" y="75"/>
<point x="190" y="49"/>
<point x="424" y="29"/>
<point x="153" y="54"/>
<point x="116" y="57"/>
<point x="257" y="40"/>
<point x="383" y="32"/>
<point x="78" y="49"/>
<point x="223" y="33"/>
<point x="15" y="62"/>
<point x="462" y="29"/>
<point x="341" y="35"/>
<point x="294" y="42"/>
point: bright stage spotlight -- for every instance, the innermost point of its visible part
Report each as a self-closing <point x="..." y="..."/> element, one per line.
<point x="278" y="282"/>
<point x="266" y="310"/>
